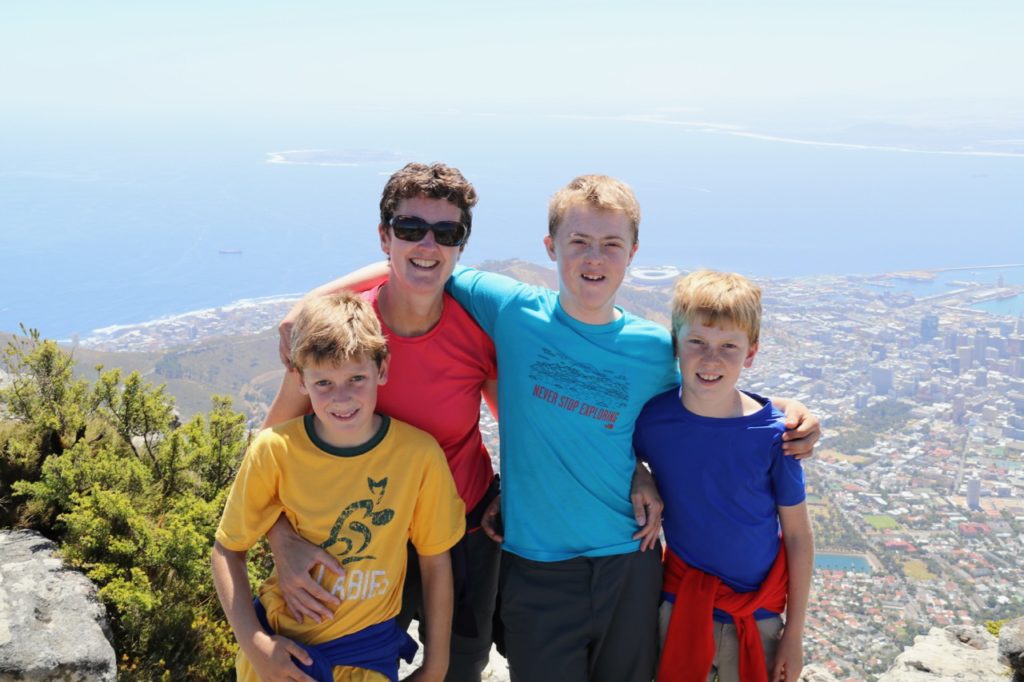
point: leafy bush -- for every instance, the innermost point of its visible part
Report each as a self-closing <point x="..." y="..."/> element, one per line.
<point x="994" y="626"/>
<point x="132" y="498"/>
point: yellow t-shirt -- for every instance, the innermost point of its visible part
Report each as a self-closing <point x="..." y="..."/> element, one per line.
<point x="361" y="504"/>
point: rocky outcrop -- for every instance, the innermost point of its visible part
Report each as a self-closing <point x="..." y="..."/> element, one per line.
<point x="954" y="653"/>
<point x="816" y="673"/>
<point x="52" y="627"/>
<point x="1011" y="647"/>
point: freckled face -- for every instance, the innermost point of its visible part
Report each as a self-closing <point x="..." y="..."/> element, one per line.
<point x="343" y="398"/>
<point x="592" y="248"/>
<point x="711" y="359"/>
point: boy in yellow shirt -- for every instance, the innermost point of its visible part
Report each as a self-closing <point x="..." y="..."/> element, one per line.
<point x="358" y="484"/>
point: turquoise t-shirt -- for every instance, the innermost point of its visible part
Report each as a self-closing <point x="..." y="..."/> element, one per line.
<point x="568" y="395"/>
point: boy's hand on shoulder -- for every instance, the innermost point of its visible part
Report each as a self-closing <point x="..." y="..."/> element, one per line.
<point x="647" y="507"/>
<point x="803" y="430"/>
<point x="271" y="657"/>
<point x="789" y="658"/>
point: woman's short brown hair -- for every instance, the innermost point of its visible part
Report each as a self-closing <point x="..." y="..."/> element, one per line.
<point x="436" y="181"/>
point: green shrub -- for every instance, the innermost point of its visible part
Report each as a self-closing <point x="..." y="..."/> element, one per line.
<point x="132" y="499"/>
<point x="994" y="626"/>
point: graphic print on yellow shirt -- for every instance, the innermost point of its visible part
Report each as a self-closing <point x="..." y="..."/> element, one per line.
<point x="375" y="517"/>
<point x="360" y="504"/>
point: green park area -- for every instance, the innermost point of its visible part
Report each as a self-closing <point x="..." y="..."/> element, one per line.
<point x="915" y="569"/>
<point x="881" y="521"/>
<point x="834" y="455"/>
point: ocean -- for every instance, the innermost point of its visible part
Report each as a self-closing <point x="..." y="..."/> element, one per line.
<point x="104" y="224"/>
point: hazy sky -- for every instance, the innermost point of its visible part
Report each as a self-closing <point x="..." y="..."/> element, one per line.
<point x="135" y="133"/>
<point x="123" y="59"/>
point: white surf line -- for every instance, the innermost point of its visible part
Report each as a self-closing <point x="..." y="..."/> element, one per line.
<point x="872" y="147"/>
<point x="201" y="313"/>
<point x="738" y="131"/>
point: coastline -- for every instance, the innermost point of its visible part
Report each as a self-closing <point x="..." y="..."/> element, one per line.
<point x="257" y="314"/>
<point x="244" y="316"/>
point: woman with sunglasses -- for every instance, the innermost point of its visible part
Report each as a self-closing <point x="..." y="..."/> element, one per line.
<point x="441" y="363"/>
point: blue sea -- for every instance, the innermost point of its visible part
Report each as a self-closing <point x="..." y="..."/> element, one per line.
<point x="104" y="223"/>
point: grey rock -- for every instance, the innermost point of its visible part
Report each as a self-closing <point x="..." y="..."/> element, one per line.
<point x="497" y="667"/>
<point x="973" y="636"/>
<point x="816" y="673"/>
<point x="954" y="653"/>
<point x="52" y="626"/>
<point x="1011" y="647"/>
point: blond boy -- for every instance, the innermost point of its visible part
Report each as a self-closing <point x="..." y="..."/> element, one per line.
<point x="716" y="453"/>
<point x="358" y="484"/>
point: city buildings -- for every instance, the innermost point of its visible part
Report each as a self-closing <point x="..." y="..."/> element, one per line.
<point x="921" y="470"/>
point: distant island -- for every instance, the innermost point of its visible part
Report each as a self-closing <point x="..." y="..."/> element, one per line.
<point x="329" y="157"/>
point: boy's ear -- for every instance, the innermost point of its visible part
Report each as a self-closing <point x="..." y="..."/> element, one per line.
<point x="750" y="356"/>
<point x="549" y="244"/>
<point x="632" y="252"/>
<point x="382" y="371"/>
<point x="302" y="383"/>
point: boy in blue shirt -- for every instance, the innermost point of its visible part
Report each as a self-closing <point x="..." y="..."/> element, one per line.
<point x="716" y="454"/>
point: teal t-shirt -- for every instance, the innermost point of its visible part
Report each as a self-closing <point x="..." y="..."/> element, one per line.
<point x="568" y="396"/>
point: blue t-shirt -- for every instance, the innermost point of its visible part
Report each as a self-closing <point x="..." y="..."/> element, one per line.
<point x="722" y="481"/>
<point x="569" y="394"/>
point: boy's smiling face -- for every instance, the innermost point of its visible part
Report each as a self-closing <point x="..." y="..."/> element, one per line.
<point x="593" y="248"/>
<point x="344" y="397"/>
<point x="710" y="362"/>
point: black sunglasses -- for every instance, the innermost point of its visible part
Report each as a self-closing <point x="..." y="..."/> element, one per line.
<point x="413" y="229"/>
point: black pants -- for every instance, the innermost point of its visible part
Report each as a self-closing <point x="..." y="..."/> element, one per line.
<point x="469" y="655"/>
<point x="583" y="619"/>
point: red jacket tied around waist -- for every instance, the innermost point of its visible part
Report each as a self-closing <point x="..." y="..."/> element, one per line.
<point x="690" y="645"/>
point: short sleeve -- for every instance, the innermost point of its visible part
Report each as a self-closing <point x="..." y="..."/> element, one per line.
<point x="439" y="518"/>
<point x="638" y="433"/>
<point x="787" y="477"/>
<point x="482" y="294"/>
<point x="253" y="504"/>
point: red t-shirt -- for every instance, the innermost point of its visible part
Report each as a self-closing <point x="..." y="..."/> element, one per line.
<point x="434" y="384"/>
